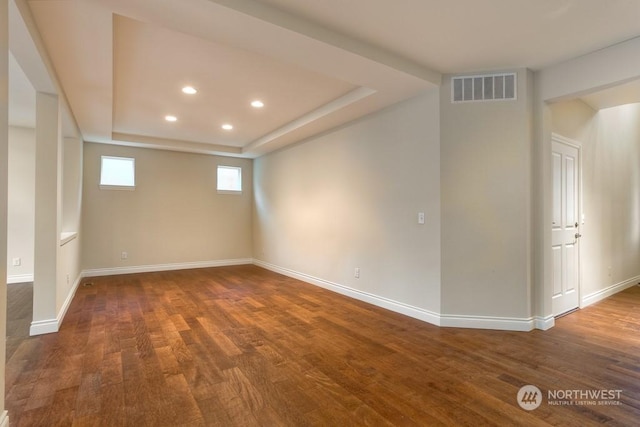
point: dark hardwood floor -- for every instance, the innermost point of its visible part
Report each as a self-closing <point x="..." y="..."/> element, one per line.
<point x="242" y="346"/>
<point x="19" y="314"/>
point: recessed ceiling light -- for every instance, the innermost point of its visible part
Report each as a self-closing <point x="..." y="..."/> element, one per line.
<point x="227" y="126"/>
<point x="189" y="90"/>
<point x="257" y="104"/>
<point x="170" y="118"/>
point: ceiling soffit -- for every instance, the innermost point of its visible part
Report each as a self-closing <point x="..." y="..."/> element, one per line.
<point x="122" y="65"/>
<point x="147" y="86"/>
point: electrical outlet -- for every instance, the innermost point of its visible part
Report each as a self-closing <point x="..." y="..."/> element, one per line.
<point x="356" y="273"/>
<point x="420" y="217"/>
<point x="124" y="255"/>
<point x="17" y="262"/>
<point x="67" y="279"/>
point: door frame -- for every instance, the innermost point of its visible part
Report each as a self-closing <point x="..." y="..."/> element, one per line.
<point x="555" y="137"/>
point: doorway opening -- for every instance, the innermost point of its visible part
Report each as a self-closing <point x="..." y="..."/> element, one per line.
<point x="608" y="211"/>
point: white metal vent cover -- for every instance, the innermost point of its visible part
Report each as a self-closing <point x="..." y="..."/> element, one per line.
<point x="487" y="87"/>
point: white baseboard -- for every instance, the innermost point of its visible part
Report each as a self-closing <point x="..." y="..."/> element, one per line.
<point x="4" y="419"/>
<point x="544" y="323"/>
<point x="164" y="267"/>
<point x="475" y="322"/>
<point x="67" y="301"/>
<point x="594" y="297"/>
<point x="488" y="322"/>
<point x="41" y="327"/>
<point x="19" y="278"/>
<point x="445" y="320"/>
<point x="48" y="326"/>
<point x="517" y="324"/>
<point x="398" y="307"/>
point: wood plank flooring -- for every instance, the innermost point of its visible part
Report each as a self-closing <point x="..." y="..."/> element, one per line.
<point x="242" y="346"/>
<point x="19" y="314"/>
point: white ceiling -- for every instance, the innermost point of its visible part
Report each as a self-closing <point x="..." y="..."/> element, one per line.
<point x="458" y="36"/>
<point x="315" y="64"/>
<point x="227" y="80"/>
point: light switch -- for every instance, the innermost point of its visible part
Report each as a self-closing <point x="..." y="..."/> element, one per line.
<point x="420" y="217"/>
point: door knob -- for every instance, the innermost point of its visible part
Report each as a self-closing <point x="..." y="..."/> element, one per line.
<point x="578" y="235"/>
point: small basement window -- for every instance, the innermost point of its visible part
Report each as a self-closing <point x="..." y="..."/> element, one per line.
<point x="229" y="179"/>
<point x="117" y="173"/>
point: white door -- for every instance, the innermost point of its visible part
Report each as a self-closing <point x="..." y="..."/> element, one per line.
<point x="565" y="226"/>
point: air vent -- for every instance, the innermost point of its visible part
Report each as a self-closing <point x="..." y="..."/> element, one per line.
<point x="488" y="87"/>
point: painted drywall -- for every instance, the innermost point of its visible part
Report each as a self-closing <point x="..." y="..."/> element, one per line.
<point x="71" y="184"/>
<point x="21" y="219"/>
<point x="603" y="68"/>
<point x="575" y="120"/>
<point x="69" y="254"/>
<point x="48" y="208"/>
<point x="4" y="184"/>
<point x="173" y="216"/>
<point x="567" y="80"/>
<point x="69" y="274"/>
<point x="21" y="215"/>
<point x="610" y="141"/>
<point x="485" y="186"/>
<point x="617" y="179"/>
<point x="350" y="199"/>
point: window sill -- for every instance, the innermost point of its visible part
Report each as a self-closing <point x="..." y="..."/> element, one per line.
<point x="118" y="187"/>
<point x="67" y="236"/>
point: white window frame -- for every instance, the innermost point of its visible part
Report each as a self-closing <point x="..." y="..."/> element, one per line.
<point x="227" y="190"/>
<point x="115" y="186"/>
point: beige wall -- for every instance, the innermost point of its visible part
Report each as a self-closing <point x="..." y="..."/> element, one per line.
<point x="485" y="176"/>
<point x="174" y="215"/>
<point x="618" y="178"/>
<point x="48" y="208"/>
<point x="68" y="273"/>
<point x="71" y="184"/>
<point x="21" y="215"/>
<point x="69" y="256"/>
<point x="567" y="80"/>
<point x="4" y="184"/>
<point x="610" y="140"/>
<point x="350" y="199"/>
<point x="575" y="120"/>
